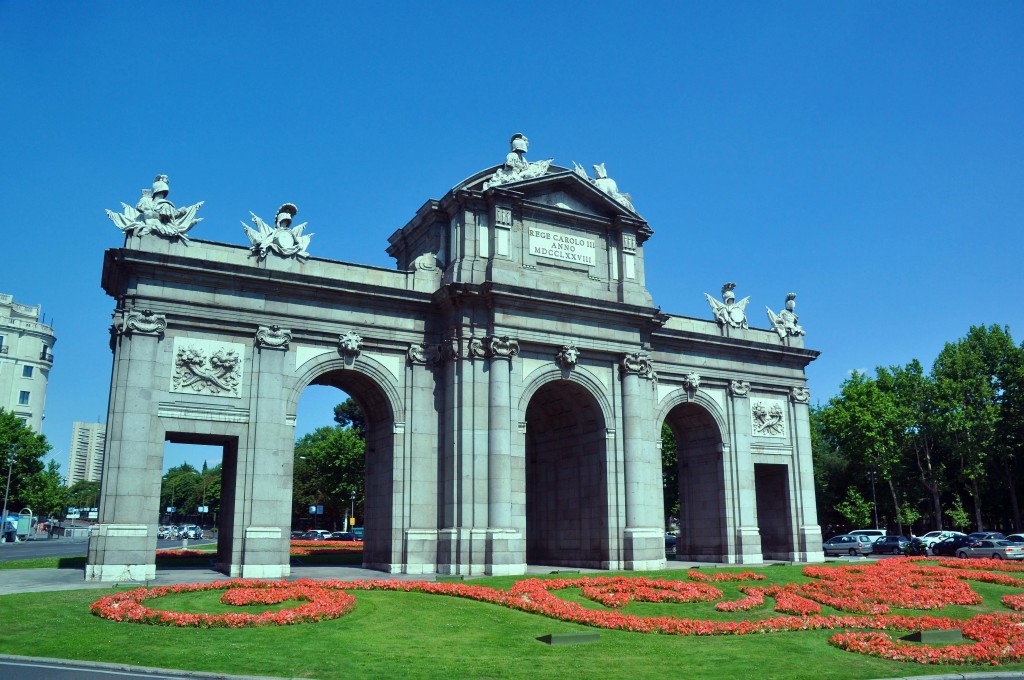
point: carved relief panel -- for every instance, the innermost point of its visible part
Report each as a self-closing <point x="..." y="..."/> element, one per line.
<point x="768" y="417"/>
<point x="207" y="367"/>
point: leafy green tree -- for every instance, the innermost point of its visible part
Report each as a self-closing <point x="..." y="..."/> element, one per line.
<point x="958" y="517"/>
<point x="46" y="493"/>
<point x="179" y="489"/>
<point x="832" y="472"/>
<point x="348" y="414"/>
<point x="967" y="401"/>
<point x="863" y="423"/>
<point x="912" y="395"/>
<point x="28" y="450"/>
<point x="330" y="466"/>
<point x="855" y="509"/>
<point x="84" y="494"/>
<point x="669" y="473"/>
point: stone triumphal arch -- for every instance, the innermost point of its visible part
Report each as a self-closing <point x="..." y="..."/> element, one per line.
<point x="514" y="371"/>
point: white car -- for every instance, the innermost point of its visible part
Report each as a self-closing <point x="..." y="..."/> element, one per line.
<point x="933" y="537"/>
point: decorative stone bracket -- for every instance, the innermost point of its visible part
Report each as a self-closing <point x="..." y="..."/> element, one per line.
<point x="638" y="363"/>
<point x="691" y="382"/>
<point x="502" y="347"/>
<point x="273" y="337"/>
<point x="567" y="357"/>
<point x="739" y="388"/>
<point x="423" y="354"/>
<point x="800" y="395"/>
<point x="350" y="344"/>
<point x="145" y="322"/>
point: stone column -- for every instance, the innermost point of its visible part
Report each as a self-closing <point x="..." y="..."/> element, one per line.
<point x="506" y="547"/>
<point x="807" y="543"/>
<point x="262" y="505"/>
<point x="745" y="531"/>
<point x="123" y="547"/>
<point x="499" y="436"/>
<point x="644" y="539"/>
<point x="421" y="479"/>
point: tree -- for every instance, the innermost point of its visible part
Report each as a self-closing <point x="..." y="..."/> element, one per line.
<point x="968" y="399"/>
<point x="330" y="467"/>
<point x="669" y="473"/>
<point x="46" y="493"/>
<point x="348" y="414"/>
<point x="863" y="422"/>
<point x="28" y="448"/>
<point x="84" y="494"/>
<point x="855" y="509"/>
<point x="179" y="489"/>
<point x="913" y="393"/>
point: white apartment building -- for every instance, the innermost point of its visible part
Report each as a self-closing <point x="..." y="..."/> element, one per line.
<point x="85" y="460"/>
<point x="26" y="356"/>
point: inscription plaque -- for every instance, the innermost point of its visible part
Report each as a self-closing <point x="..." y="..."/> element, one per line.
<point x="566" y="247"/>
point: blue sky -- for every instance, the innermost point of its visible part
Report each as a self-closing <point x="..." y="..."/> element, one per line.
<point x="868" y="156"/>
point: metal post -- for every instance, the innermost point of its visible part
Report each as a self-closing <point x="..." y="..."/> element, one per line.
<point x="874" y="501"/>
<point x="7" y="491"/>
<point x="352" y="512"/>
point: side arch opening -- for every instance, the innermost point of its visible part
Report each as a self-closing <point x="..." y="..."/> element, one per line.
<point x="566" y="477"/>
<point x="700" y="488"/>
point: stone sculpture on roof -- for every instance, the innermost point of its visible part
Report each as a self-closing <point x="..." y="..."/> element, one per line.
<point x="605" y="183"/>
<point x="283" y="239"/>
<point x="516" y="166"/>
<point x="728" y="312"/>
<point x="785" y="322"/>
<point x="154" y="214"/>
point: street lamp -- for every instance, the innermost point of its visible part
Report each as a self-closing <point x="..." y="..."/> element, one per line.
<point x="352" y="514"/>
<point x="7" y="491"/>
<point x="874" y="501"/>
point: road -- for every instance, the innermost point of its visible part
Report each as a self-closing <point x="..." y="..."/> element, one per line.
<point x="69" y="547"/>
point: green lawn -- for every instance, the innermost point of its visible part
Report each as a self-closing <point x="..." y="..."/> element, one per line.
<point x="430" y="636"/>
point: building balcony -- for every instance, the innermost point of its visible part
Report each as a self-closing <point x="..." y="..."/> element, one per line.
<point x="46" y="355"/>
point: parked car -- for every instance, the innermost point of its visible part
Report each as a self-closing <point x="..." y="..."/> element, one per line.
<point x="987" y="536"/>
<point x="872" y="533"/>
<point x="1016" y="538"/>
<point x="297" y="534"/>
<point x="948" y="546"/>
<point x="997" y="550"/>
<point x="358" y="533"/>
<point x="312" y="536"/>
<point x="933" y="537"/>
<point x="670" y="541"/>
<point x="847" y="544"/>
<point x="342" y="536"/>
<point x="892" y="545"/>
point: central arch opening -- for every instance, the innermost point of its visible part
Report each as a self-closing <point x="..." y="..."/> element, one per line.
<point x="374" y="500"/>
<point x="566" y="478"/>
<point x="701" y="483"/>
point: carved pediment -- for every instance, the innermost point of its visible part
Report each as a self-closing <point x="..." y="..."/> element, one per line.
<point x="560" y="188"/>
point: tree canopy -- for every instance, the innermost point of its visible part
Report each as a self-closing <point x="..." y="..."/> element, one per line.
<point x="944" y="446"/>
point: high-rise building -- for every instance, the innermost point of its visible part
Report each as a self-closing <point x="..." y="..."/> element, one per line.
<point x="85" y="460"/>
<point x="26" y="356"/>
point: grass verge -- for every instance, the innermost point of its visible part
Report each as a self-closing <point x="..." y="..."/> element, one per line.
<point x="429" y="636"/>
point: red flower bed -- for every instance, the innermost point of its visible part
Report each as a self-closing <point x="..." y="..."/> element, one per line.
<point x="321" y="603"/>
<point x="724" y="576"/>
<point x="754" y="598"/>
<point x="871" y="590"/>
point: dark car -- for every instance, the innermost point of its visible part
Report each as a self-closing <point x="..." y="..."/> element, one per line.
<point x="343" y="536"/>
<point x="892" y="545"/>
<point x="948" y="547"/>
